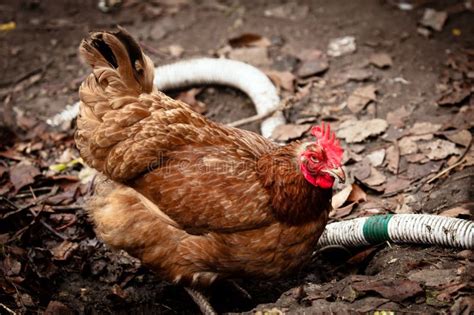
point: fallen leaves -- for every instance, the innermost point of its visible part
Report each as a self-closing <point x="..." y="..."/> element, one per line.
<point x="392" y="159"/>
<point x="23" y="174"/>
<point x="434" y="277"/>
<point x="360" y="97"/>
<point x="376" y="178"/>
<point x="249" y="40"/>
<point x="395" y="184"/>
<point x="398" y="116"/>
<point x="392" y="289"/>
<point x="312" y="67"/>
<point x="354" y="131"/>
<point x="176" y="50"/>
<point x="456" y="212"/>
<point x="64" y="250"/>
<point x="422" y="128"/>
<point x="381" y="60"/>
<point x="289" y="132"/>
<point x="291" y="10"/>
<point x="438" y="149"/>
<point x="461" y="137"/>
<point x="454" y="95"/>
<point x="257" y="56"/>
<point x="189" y="97"/>
<point x="344" y="201"/>
<point x="283" y="79"/>
<point x="434" y="19"/>
<point x="341" y="46"/>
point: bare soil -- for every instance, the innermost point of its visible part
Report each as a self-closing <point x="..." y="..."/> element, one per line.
<point x="41" y="74"/>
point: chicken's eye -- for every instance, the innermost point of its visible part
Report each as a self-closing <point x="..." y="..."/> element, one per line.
<point x="314" y="159"/>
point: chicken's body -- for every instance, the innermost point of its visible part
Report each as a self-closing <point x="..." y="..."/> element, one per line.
<point x="192" y="199"/>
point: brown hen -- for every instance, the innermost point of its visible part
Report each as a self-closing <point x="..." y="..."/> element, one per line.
<point x="193" y="199"/>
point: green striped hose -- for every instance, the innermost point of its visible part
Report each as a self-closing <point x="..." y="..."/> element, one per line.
<point x="400" y="228"/>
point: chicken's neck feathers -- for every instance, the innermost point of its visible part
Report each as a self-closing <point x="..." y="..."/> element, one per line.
<point x="293" y="199"/>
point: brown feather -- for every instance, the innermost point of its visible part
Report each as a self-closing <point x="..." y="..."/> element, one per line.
<point x="191" y="198"/>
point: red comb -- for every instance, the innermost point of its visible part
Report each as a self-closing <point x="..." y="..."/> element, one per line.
<point x="328" y="141"/>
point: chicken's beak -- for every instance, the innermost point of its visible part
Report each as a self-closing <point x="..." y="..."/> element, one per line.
<point x="337" y="173"/>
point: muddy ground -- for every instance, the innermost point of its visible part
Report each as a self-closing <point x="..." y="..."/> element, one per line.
<point x="51" y="260"/>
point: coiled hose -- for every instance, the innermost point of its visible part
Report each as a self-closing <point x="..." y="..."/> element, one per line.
<point x="400" y="228"/>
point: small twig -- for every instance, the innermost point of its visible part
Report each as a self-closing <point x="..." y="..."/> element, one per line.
<point x="153" y="50"/>
<point x="33" y="190"/>
<point x="446" y="170"/>
<point x="6" y="308"/>
<point x="11" y="204"/>
<point x="250" y="119"/>
<point x="283" y="105"/>
<point x="33" y="193"/>
<point x="19" y="210"/>
<point x="66" y="208"/>
<point x="52" y="230"/>
<point x="65" y="226"/>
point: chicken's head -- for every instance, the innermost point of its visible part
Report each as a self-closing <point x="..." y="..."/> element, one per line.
<point x="320" y="161"/>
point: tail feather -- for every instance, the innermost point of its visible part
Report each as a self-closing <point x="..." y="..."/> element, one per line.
<point x="119" y="51"/>
<point x="110" y="98"/>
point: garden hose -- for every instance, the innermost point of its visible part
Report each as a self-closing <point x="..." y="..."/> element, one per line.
<point x="400" y="228"/>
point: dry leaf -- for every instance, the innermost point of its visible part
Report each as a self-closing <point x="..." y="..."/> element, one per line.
<point x="422" y="128"/>
<point x="377" y="157"/>
<point x="397" y="117"/>
<point x="341" y="197"/>
<point x="403" y="208"/>
<point x="454" y="96"/>
<point x="357" y="194"/>
<point x="439" y="149"/>
<point x="64" y="250"/>
<point x="23" y="174"/>
<point x="355" y="74"/>
<point x="416" y="171"/>
<point x="376" y="178"/>
<point x="416" y="158"/>
<point x="362" y="170"/>
<point x="55" y="307"/>
<point x="359" y="130"/>
<point x="361" y="97"/>
<point x="291" y="10"/>
<point x="463" y="137"/>
<point x="257" y="56"/>
<point x="407" y="146"/>
<point x="434" y="277"/>
<point x="312" y="67"/>
<point x="283" y="79"/>
<point x="309" y="54"/>
<point x="189" y="97"/>
<point x="341" y="46"/>
<point x="381" y="60"/>
<point x="176" y="50"/>
<point x="393" y="289"/>
<point x="342" y="212"/>
<point x="11" y="266"/>
<point x="434" y="19"/>
<point x="456" y="212"/>
<point x="249" y="40"/>
<point x="289" y="132"/>
<point x="395" y="184"/>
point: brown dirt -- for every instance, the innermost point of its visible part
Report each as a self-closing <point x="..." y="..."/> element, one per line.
<point x="41" y="74"/>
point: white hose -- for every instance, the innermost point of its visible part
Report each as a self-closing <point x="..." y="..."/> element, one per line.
<point x="233" y="73"/>
<point x="400" y="228"/>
